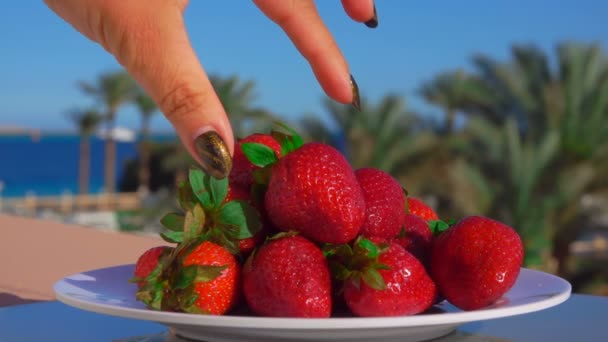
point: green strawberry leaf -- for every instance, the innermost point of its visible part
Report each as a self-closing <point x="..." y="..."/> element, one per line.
<point x="373" y="279"/>
<point x="188" y="275"/>
<point x="262" y="177"/>
<point x="439" y="226"/>
<point x="151" y="294"/>
<point x="208" y="273"/>
<point x="281" y="235"/>
<point x="242" y="216"/>
<point x="191" y="295"/>
<point x="194" y="222"/>
<point x="187" y="302"/>
<point x="185" y="277"/>
<point x="289" y="142"/>
<point x="173" y="222"/>
<point x="172" y="237"/>
<point x="407" y="205"/>
<point x="199" y="181"/>
<point x="370" y="247"/>
<point x="382" y="267"/>
<point x="295" y="137"/>
<point x="343" y="251"/>
<point x="402" y="233"/>
<point x="219" y="190"/>
<point x="185" y="196"/>
<point x="259" y="154"/>
<point x="339" y="271"/>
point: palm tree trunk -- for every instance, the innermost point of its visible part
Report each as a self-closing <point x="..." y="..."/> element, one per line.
<point x="110" y="157"/>
<point x="144" y="158"/>
<point x="84" y="164"/>
<point x="449" y="120"/>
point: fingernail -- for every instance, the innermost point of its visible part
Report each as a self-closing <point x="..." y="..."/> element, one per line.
<point x="214" y="154"/>
<point x="355" y="89"/>
<point x="373" y="22"/>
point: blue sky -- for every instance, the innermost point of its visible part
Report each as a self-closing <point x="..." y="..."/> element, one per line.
<point x="42" y="57"/>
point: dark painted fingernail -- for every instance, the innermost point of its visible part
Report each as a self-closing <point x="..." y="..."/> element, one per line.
<point x="355" y="89"/>
<point x="373" y="22"/>
<point x="214" y="154"/>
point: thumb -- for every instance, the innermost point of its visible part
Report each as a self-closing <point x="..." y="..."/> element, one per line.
<point x="151" y="42"/>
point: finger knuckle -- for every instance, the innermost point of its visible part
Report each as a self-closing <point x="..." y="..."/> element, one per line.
<point x="181" y="100"/>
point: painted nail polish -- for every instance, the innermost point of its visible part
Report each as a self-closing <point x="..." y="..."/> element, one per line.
<point x="373" y="22"/>
<point x="355" y="89"/>
<point x="214" y="154"/>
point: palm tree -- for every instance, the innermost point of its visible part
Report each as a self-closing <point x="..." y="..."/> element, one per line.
<point x="111" y="90"/>
<point x="237" y="98"/>
<point x="377" y="136"/>
<point x="453" y="91"/>
<point x="147" y="108"/>
<point x="86" y="121"/>
<point x="538" y="143"/>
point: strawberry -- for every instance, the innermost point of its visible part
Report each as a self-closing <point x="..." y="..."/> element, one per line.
<point x="198" y="276"/>
<point x="314" y="190"/>
<point x="381" y="279"/>
<point x="148" y="261"/>
<point x="476" y="261"/>
<point x="384" y="203"/>
<point x="216" y="287"/>
<point x="241" y="174"/>
<point x="417" y="207"/>
<point x="416" y="237"/>
<point x="288" y="277"/>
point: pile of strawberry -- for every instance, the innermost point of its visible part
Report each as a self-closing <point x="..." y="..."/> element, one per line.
<point x="294" y="231"/>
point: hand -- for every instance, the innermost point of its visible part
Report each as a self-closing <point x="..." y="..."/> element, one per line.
<point x="148" y="38"/>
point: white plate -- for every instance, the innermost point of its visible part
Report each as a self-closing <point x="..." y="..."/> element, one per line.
<point x="107" y="291"/>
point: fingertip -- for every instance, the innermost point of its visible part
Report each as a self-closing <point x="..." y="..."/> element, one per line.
<point x="363" y="11"/>
<point x="336" y="85"/>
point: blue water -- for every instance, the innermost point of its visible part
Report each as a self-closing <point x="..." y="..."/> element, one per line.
<point x="49" y="166"/>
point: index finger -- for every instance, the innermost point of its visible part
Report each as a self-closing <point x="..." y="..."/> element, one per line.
<point x="302" y="23"/>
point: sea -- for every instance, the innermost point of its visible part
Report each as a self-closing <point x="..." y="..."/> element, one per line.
<point x="48" y="164"/>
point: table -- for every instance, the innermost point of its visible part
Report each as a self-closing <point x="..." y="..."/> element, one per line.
<point x="581" y="318"/>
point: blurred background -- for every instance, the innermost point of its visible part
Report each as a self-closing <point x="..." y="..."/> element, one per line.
<point x="497" y="109"/>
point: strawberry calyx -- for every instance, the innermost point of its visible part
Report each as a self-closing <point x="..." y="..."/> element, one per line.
<point x="263" y="156"/>
<point x="207" y="215"/>
<point x="357" y="262"/>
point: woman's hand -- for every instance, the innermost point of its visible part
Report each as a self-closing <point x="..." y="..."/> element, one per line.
<point x="148" y="37"/>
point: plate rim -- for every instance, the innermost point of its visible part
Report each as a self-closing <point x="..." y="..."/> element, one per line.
<point x="332" y="323"/>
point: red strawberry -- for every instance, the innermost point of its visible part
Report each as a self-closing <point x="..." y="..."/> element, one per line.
<point x="147" y="262"/>
<point x="314" y="190"/>
<point x="241" y="174"/>
<point x="419" y="208"/>
<point x="476" y="261"/>
<point x="198" y="276"/>
<point x="391" y="283"/>
<point x="417" y="237"/>
<point x="384" y="202"/>
<point x="220" y="289"/>
<point x="288" y="277"/>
